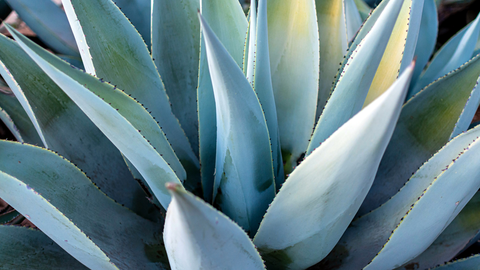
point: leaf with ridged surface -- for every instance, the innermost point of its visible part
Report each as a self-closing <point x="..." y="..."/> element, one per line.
<point x="244" y="181"/>
<point x="453" y="54"/>
<point x="333" y="45"/>
<point x="53" y="194"/>
<point x="66" y="129"/>
<point x="122" y="119"/>
<point x="293" y="41"/>
<point x="175" y="50"/>
<point x="329" y="186"/>
<point x="427" y="38"/>
<point x="29" y="249"/>
<point x="125" y="61"/>
<point x="425" y="125"/>
<point x="49" y="22"/>
<point x="263" y="88"/>
<point x="453" y="240"/>
<point x="228" y="22"/>
<point x="358" y="71"/>
<point x="470" y="263"/>
<point x="197" y="236"/>
<point x="374" y="229"/>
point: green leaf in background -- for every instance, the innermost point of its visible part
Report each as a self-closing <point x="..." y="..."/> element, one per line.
<point x="30" y="249"/>
<point x="440" y="184"/>
<point x="426" y="123"/>
<point x="244" y="181"/>
<point x="17" y="120"/>
<point x="53" y="194"/>
<point x="126" y="63"/>
<point x="49" y="22"/>
<point x="228" y="22"/>
<point x="67" y="130"/>
<point x="454" y="53"/>
<point x="363" y="8"/>
<point x="199" y="237"/>
<point x="175" y="50"/>
<point x="294" y="61"/>
<point x="122" y="119"/>
<point x="455" y="238"/>
<point x="139" y="14"/>
<point x="358" y="71"/>
<point x="329" y="186"/>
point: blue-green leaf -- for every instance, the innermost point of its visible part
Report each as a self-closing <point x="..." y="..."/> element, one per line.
<point x="427" y="39"/>
<point x="54" y="194"/>
<point x="294" y="60"/>
<point x="353" y="20"/>
<point x="470" y="263"/>
<point x="456" y="237"/>
<point x="454" y="53"/>
<point x="199" y="237"/>
<point x="329" y="186"/>
<point x="122" y="119"/>
<point x="228" y="22"/>
<point x="125" y="61"/>
<point x="368" y="235"/>
<point x="244" y="181"/>
<point x="356" y="77"/>
<point x="29" y="249"/>
<point x="264" y="89"/>
<point x="175" y="50"/>
<point x="49" y="22"/>
<point x="333" y="46"/>
<point x="139" y="14"/>
<point x="425" y="125"/>
<point x="66" y="129"/>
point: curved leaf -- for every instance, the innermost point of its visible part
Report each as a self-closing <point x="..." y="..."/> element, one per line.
<point x="454" y="53"/>
<point x="425" y="125"/>
<point x="123" y="120"/>
<point x="67" y="130"/>
<point x="453" y="240"/>
<point x="49" y="22"/>
<point x="125" y="61"/>
<point x="329" y="186"/>
<point x="228" y="22"/>
<point x="199" y="237"/>
<point x="359" y="72"/>
<point x="294" y="60"/>
<point x="30" y="249"/>
<point x="367" y="235"/>
<point x="175" y="50"/>
<point x="244" y="181"/>
<point x="53" y="194"/>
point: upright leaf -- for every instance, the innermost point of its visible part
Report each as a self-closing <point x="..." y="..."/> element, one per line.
<point x="228" y="22"/>
<point x="49" y="22"/>
<point x="244" y="181"/>
<point x="199" y="237"/>
<point x="139" y="14"/>
<point x="333" y="46"/>
<point x="353" y="20"/>
<point x="356" y="77"/>
<point x="175" y="50"/>
<point x="329" y="186"/>
<point x="122" y="119"/>
<point x="294" y="61"/>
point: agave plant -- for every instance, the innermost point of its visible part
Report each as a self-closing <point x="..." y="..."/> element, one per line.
<point x="301" y="134"/>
